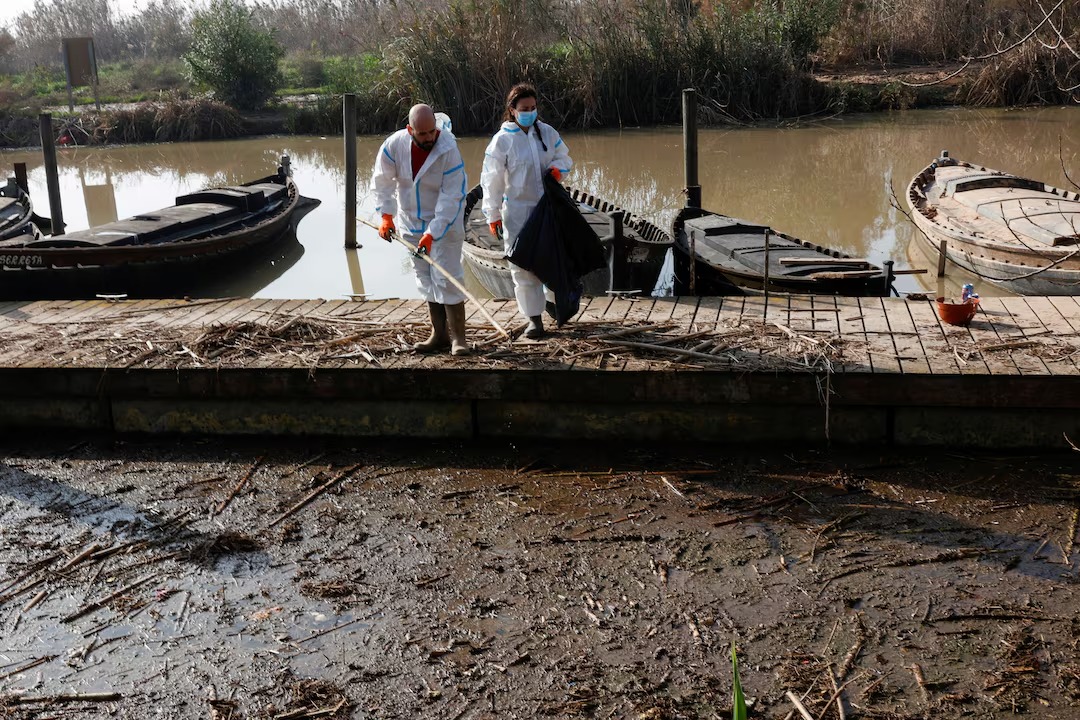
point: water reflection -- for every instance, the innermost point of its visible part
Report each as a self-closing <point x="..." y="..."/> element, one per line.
<point x="827" y="183"/>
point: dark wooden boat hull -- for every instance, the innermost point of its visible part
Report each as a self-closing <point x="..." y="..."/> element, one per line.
<point x="151" y="269"/>
<point x="647" y="248"/>
<point x="727" y="258"/>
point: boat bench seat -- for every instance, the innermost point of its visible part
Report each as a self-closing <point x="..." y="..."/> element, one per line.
<point x="247" y="198"/>
<point x="271" y="191"/>
<point x="722" y="225"/>
<point x="990" y="181"/>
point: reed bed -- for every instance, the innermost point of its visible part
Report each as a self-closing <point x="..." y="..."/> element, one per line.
<point x="169" y="121"/>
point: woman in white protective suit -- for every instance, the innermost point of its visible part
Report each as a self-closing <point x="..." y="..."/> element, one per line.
<point x="512" y="179"/>
<point x="419" y="177"/>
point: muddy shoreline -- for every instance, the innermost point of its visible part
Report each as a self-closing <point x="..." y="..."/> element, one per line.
<point x="208" y="578"/>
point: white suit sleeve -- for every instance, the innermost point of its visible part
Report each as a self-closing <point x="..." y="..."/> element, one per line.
<point x="493" y="180"/>
<point x="384" y="181"/>
<point x="451" y="196"/>
<point x="561" y="158"/>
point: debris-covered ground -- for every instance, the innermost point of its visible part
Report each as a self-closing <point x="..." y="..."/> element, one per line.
<point x="797" y="341"/>
<point x="261" y="579"/>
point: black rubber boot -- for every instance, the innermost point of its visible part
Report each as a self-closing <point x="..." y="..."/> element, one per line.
<point x="536" y="327"/>
<point x="439" y="338"/>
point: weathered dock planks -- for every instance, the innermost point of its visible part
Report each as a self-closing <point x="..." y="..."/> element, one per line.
<point x="879" y="369"/>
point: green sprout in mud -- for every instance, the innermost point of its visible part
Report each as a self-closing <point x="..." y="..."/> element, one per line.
<point x="738" y="702"/>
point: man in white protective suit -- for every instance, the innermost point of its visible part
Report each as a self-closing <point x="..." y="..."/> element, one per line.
<point x="516" y="159"/>
<point x="420" y="185"/>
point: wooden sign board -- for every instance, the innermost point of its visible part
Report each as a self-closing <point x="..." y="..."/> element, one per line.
<point x="80" y="63"/>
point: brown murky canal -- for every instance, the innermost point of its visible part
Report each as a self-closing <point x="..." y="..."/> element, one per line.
<point x="826" y="182"/>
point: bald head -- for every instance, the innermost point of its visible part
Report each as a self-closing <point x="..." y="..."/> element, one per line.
<point x="421" y="115"/>
<point x="422" y="126"/>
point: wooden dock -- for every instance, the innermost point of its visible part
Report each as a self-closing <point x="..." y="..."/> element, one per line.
<point x="714" y="368"/>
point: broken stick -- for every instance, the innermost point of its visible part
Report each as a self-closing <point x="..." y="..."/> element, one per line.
<point x="316" y="492"/>
<point x="239" y="485"/>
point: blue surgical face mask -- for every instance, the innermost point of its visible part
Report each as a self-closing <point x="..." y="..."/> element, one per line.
<point x="526" y="119"/>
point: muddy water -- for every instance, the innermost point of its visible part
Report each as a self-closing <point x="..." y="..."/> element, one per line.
<point x="825" y="181"/>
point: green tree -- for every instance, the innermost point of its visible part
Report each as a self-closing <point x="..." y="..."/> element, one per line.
<point x="232" y="56"/>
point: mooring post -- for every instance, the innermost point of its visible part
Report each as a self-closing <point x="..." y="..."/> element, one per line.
<point x="889" y="277"/>
<point x="617" y="261"/>
<point x="52" y="178"/>
<point x="690" y="148"/>
<point x="941" y="257"/>
<point x="349" y="124"/>
<point x="21" y="178"/>
<point x="765" y="283"/>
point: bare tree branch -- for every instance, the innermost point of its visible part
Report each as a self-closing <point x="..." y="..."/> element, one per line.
<point x="1002" y="51"/>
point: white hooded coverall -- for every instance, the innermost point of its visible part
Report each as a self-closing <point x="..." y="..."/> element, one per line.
<point x="433" y="203"/>
<point x="512" y="180"/>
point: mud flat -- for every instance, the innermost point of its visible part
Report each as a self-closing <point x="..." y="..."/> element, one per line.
<point x="211" y="578"/>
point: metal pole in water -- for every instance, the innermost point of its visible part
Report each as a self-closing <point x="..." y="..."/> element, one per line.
<point x="690" y="147"/>
<point x="52" y="178"/>
<point x="889" y="277"/>
<point x="349" y="124"/>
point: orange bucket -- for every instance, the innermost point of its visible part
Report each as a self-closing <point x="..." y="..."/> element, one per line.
<point x="957" y="313"/>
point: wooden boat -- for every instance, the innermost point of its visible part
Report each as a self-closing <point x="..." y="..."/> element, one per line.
<point x="165" y="249"/>
<point x="726" y="256"/>
<point x="637" y="248"/>
<point x="16" y="211"/>
<point x="1022" y="234"/>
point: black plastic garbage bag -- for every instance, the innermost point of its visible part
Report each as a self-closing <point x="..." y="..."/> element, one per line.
<point x="559" y="246"/>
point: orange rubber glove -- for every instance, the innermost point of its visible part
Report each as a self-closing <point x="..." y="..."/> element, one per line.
<point x="557" y="174"/>
<point x="424" y="246"/>
<point x="495" y="227"/>
<point x="387" y="227"/>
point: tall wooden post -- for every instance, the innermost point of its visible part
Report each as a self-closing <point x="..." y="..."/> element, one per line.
<point x="942" y="248"/>
<point x="52" y="178"/>
<point x="690" y="148"/>
<point x="765" y="283"/>
<point x="21" y="178"/>
<point x="349" y="125"/>
<point x="617" y="260"/>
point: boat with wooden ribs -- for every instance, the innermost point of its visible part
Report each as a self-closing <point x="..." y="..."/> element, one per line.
<point x="720" y="255"/>
<point x="16" y="211"/>
<point x="164" y="249"/>
<point x="1019" y="233"/>
<point x="635" y="248"/>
